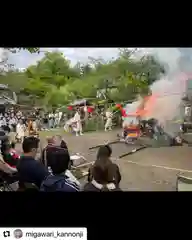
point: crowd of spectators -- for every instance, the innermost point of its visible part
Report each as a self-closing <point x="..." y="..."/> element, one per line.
<point x="51" y="172"/>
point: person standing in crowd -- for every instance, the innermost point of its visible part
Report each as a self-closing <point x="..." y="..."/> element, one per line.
<point x="77" y="119"/>
<point x="56" y="119"/>
<point x="108" y="124"/>
<point x="51" y="120"/>
<point x="44" y="121"/>
<point x="20" y="131"/>
<point x="18" y="114"/>
<point x="1" y="121"/>
<point x="60" y="117"/>
<point x="29" y="169"/>
<point x="12" y="123"/>
<point x="34" y="126"/>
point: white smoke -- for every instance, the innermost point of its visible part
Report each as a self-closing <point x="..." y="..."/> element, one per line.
<point x="170" y="88"/>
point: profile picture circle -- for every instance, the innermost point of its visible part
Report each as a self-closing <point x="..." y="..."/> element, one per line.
<point x="18" y="233"/>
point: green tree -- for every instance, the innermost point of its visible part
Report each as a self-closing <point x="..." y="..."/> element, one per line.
<point x="31" y="50"/>
<point x="53" y="81"/>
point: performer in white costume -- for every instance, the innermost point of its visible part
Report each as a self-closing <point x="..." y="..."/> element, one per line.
<point x="60" y="116"/>
<point x="34" y="125"/>
<point x="20" y="131"/>
<point x="77" y="119"/>
<point x="108" y="124"/>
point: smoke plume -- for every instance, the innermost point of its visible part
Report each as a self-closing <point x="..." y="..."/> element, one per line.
<point x="170" y="88"/>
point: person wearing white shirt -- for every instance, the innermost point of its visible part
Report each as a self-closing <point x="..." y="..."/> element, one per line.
<point x="108" y="123"/>
<point x="20" y="131"/>
<point x="77" y="120"/>
<point x="56" y="123"/>
<point x="51" y="120"/>
<point x="60" y="116"/>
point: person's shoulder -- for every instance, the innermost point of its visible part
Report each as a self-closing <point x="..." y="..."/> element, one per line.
<point x="30" y="162"/>
<point x="22" y="164"/>
<point x="71" y="185"/>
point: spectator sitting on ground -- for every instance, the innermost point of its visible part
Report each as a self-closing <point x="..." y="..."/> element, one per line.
<point x="58" y="181"/>
<point x="29" y="169"/>
<point x="103" y="164"/>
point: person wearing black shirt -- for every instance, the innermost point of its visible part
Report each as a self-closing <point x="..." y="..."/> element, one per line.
<point x="29" y="169"/>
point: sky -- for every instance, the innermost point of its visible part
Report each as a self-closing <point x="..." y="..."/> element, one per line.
<point x="23" y="58"/>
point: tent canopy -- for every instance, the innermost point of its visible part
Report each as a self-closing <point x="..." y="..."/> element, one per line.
<point x="80" y="102"/>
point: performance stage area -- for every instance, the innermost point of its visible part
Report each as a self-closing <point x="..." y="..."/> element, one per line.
<point x="150" y="169"/>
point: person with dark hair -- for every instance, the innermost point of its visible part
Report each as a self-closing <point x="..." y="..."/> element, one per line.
<point x="9" y="154"/>
<point x="104" y="175"/>
<point x="53" y="143"/>
<point x="63" y="144"/>
<point x="29" y="169"/>
<point x="58" y="180"/>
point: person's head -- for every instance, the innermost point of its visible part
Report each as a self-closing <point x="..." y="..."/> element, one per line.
<point x="104" y="151"/>
<point x="30" y="146"/>
<point x="59" y="161"/>
<point x="57" y="140"/>
<point x="54" y="140"/>
<point x="50" y="140"/>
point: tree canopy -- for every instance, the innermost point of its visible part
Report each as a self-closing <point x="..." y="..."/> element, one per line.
<point x="53" y="81"/>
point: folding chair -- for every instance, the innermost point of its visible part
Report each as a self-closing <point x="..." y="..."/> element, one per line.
<point x="184" y="184"/>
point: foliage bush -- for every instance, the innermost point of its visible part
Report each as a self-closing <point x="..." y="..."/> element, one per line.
<point x="93" y="125"/>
